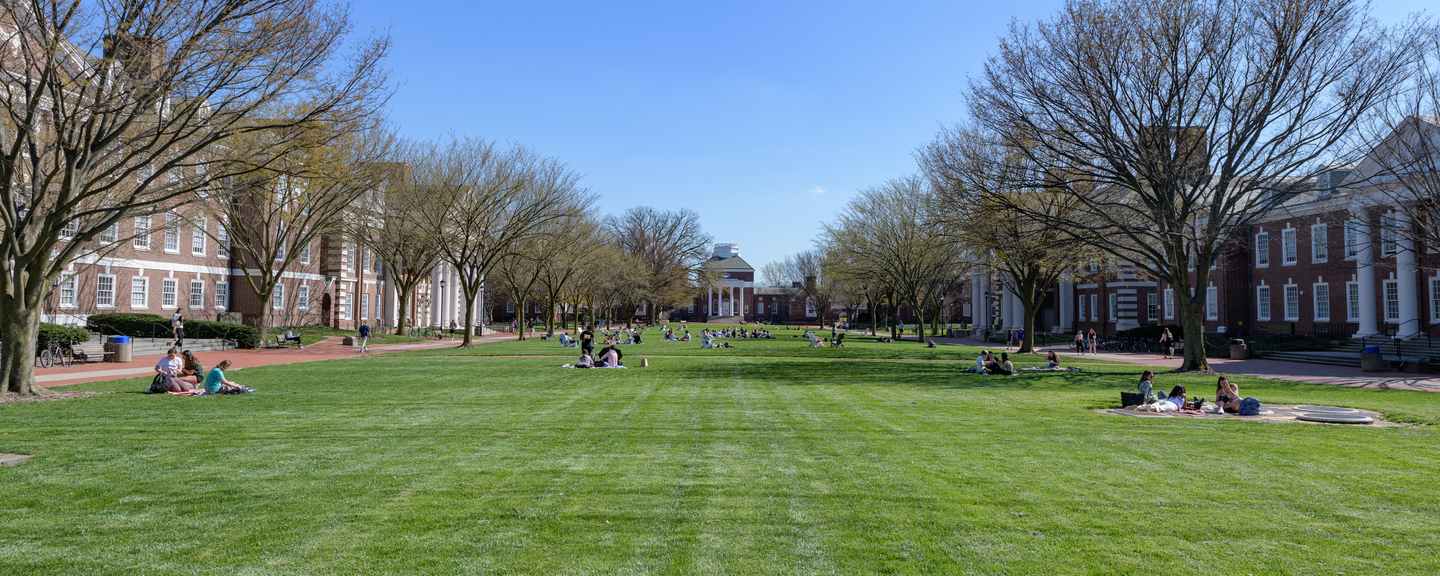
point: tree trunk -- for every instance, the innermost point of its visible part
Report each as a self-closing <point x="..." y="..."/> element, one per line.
<point x="402" y="302"/>
<point x="470" y="299"/>
<point x="1194" y="338"/>
<point x="17" y="352"/>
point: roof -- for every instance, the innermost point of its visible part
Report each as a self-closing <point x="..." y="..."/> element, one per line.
<point x="732" y="263"/>
<point x="771" y="290"/>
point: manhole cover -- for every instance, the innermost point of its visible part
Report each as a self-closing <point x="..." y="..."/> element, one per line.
<point x="1336" y="418"/>
<point x="1327" y="409"/>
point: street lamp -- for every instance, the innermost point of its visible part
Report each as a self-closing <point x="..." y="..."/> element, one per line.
<point x="441" y="321"/>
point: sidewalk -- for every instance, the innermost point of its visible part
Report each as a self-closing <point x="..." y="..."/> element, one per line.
<point x="1272" y="369"/>
<point x="328" y="349"/>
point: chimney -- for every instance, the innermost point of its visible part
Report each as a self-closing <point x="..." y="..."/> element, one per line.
<point x="143" y="57"/>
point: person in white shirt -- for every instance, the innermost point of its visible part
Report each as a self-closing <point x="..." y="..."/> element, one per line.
<point x="177" y="327"/>
<point x="169" y="365"/>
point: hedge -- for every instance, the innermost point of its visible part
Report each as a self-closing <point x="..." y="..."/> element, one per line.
<point x="144" y="325"/>
<point x="50" y="332"/>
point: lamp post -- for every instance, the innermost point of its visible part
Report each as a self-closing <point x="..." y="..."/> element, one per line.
<point x="480" y="324"/>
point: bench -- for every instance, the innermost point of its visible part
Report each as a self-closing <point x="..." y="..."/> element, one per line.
<point x="281" y="342"/>
<point x="89" y="352"/>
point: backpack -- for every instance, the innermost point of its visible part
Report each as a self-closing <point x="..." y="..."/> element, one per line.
<point x="160" y="385"/>
<point x="1249" y="407"/>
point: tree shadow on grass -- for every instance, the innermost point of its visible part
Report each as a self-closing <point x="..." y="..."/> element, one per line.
<point x="937" y="375"/>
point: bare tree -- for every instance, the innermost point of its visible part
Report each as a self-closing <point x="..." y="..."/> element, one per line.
<point x="1178" y="124"/>
<point x="567" y="252"/>
<point x="985" y="198"/>
<point x="276" y="212"/>
<point x="388" y="221"/>
<point x="487" y="200"/>
<point x="670" y="244"/>
<point x="88" y="140"/>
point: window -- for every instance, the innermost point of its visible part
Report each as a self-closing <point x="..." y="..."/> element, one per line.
<point x="1169" y="302"/>
<point x="69" y="230"/>
<point x="197" y="294"/>
<point x="168" y="288"/>
<point x="1288" y="250"/>
<point x="1111" y="304"/>
<point x="305" y="254"/>
<point x="105" y="291"/>
<point x="346" y="305"/>
<point x="277" y="300"/>
<point x="280" y="238"/>
<point x="1435" y="298"/>
<point x="1392" y="301"/>
<point x="139" y="292"/>
<point x="1083" y="300"/>
<point x="197" y="238"/>
<point x="1152" y="307"/>
<point x="110" y="234"/>
<point x="1292" y="302"/>
<point x="510" y="307"/>
<point x="142" y="233"/>
<point x="1095" y="307"/>
<point x="222" y="248"/>
<point x="366" y="266"/>
<point x="302" y="297"/>
<point x="1212" y="303"/>
<point x="1352" y="239"/>
<point x="1262" y="303"/>
<point x="1262" y="250"/>
<point x="1389" y="236"/>
<point x="222" y="295"/>
<point x="1321" y="297"/>
<point x="1319" y="244"/>
<point x="67" y="289"/>
<point x="172" y="232"/>
<point x="364" y="305"/>
<point x="345" y="255"/>
<point x="1352" y="297"/>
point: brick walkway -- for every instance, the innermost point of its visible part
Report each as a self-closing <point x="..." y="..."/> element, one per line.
<point x="328" y="349"/>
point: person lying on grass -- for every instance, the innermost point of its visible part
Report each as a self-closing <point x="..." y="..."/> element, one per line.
<point x="1177" y="396"/>
<point x="215" y="382"/>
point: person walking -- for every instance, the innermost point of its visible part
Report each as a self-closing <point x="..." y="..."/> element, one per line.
<point x="1009" y="338"/>
<point x="1094" y="341"/>
<point x="1080" y="342"/>
<point x="453" y="326"/>
<point x="1168" y="342"/>
<point x="364" y="336"/>
<point x="177" y="327"/>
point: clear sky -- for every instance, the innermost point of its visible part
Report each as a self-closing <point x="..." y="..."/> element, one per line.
<point x="763" y="117"/>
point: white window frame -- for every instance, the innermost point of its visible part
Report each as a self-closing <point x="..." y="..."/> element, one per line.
<point x="364" y="305"/>
<point x="1391" y="291"/>
<point x="1094" y="307"/>
<point x="1319" y="243"/>
<point x="1262" y="302"/>
<point x="1352" y="239"/>
<point x="509" y="306"/>
<point x="1262" y="250"/>
<point x="1289" y="247"/>
<point x="139" y="292"/>
<point x="1352" y="301"/>
<point x="142" y="233"/>
<point x="1169" y="303"/>
<point x="169" y="293"/>
<point x="104" y="299"/>
<point x="1434" y="299"/>
<point x="110" y="234"/>
<point x="70" y="229"/>
<point x="1389" y="236"/>
<point x="280" y="237"/>
<point x="1084" y="304"/>
<point x="1320" y="301"/>
<point x="277" y="299"/>
<point x="1152" y="307"/>
<point x="197" y="238"/>
<point x="67" y="289"/>
<point x="1112" y="301"/>
<point x="172" y="233"/>
<point x="222" y="295"/>
<point x="1212" y="303"/>
<point x="222" y="241"/>
<point x="347" y="305"/>
<point x="1292" y="302"/>
<point x="302" y="297"/>
<point x="197" y="299"/>
<point x="305" y="254"/>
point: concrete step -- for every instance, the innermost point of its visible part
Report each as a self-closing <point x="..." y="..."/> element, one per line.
<point x="1325" y="358"/>
<point x="144" y="347"/>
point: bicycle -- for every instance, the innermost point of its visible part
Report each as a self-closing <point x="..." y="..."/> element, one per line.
<point x="56" y="350"/>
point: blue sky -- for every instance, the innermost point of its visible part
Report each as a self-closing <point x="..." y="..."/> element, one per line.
<point x="763" y="117"/>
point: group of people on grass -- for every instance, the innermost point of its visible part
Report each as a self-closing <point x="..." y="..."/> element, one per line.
<point x="1227" y="397"/>
<point x="609" y="358"/>
<point x="181" y="373"/>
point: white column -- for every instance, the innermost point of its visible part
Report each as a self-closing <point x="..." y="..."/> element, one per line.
<point x="1066" y="306"/>
<point x="1006" y="302"/>
<point x="734" y="300"/>
<point x="435" y="297"/>
<point x="1405" y="274"/>
<point x="1365" y="277"/>
<point x="710" y="301"/>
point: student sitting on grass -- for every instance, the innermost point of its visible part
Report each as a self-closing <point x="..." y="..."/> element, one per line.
<point x="215" y="382"/>
<point x="190" y="370"/>
<point x="610" y="358"/>
<point x="686" y="337"/>
<point x="585" y="361"/>
<point x="1227" y="396"/>
<point x="1053" y="359"/>
<point x="1006" y="367"/>
<point x="1146" y="387"/>
<point x="167" y="374"/>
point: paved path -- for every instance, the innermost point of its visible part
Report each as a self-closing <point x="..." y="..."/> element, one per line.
<point x="1273" y="369"/>
<point x="328" y="349"/>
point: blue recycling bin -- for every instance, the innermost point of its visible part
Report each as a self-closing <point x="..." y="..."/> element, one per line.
<point x="1370" y="360"/>
<point x="120" y="349"/>
<point x="119" y="339"/>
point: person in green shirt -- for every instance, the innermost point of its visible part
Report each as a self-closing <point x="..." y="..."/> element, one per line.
<point x="215" y="382"/>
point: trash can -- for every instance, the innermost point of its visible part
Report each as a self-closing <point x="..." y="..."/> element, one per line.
<point x="120" y="349"/>
<point x="1370" y="360"/>
<point x="1238" y="350"/>
<point x="347" y="341"/>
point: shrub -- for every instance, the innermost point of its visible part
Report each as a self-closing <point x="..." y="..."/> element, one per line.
<point x="60" y="333"/>
<point x="144" y="325"/>
<point x="1291" y="344"/>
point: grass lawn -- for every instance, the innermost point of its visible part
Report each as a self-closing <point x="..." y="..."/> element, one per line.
<point x="732" y="464"/>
